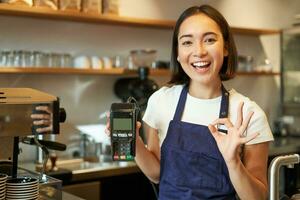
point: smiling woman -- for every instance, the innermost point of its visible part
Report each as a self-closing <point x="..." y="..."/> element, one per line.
<point x="203" y="141"/>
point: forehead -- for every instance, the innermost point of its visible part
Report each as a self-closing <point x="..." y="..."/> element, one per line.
<point x="199" y="23"/>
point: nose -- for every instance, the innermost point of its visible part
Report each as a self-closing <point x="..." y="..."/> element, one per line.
<point x="200" y="50"/>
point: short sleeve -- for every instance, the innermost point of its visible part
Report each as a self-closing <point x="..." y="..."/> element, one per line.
<point x="151" y="113"/>
<point x="259" y="124"/>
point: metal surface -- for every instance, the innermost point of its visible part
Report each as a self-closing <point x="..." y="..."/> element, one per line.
<point x="277" y="162"/>
<point x="284" y="145"/>
<point x="16" y="107"/>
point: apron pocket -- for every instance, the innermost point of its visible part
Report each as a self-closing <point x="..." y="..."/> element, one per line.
<point x="193" y="170"/>
<point x="211" y="173"/>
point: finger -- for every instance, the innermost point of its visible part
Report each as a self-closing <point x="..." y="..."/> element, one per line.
<point x="239" y="120"/>
<point x="107" y="121"/>
<point x="44" y="108"/>
<point x="107" y="114"/>
<point x="138" y="126"/>
<point x="213" y="131"/>
<point x="107" y="132"/>
<point x="107" y="126"/>
<point x="248" y="139"/>
<point x="246" y="122"/>
<point x="41" y="122"/>
<point x="224" y="121"/>
<point x="40" y="116"/>
<point x="43" y="130"/>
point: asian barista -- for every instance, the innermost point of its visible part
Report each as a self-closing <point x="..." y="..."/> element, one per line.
<point x="204" y="141"/>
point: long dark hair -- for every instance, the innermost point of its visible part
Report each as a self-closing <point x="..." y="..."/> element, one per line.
<point x="228" y="68"/>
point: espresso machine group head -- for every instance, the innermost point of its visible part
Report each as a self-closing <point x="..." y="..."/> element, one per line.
<point x="16" y="107"/>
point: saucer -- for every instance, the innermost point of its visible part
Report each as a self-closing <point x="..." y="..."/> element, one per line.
<point x="21" y="181"/>
<point x="22" y="197"/>
<point x="3" y="177"/>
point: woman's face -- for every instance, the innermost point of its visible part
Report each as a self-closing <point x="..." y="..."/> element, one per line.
<point x="201" y="49"/>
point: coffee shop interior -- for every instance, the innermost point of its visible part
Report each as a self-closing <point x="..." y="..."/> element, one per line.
<point x="85" y="55"/>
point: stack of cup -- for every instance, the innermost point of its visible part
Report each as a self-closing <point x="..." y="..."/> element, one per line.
<point x="3" y="178"/>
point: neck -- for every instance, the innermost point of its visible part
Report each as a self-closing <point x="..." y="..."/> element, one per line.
<point x="205" y="91"/>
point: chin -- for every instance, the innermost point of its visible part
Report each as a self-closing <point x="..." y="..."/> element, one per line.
<point x="202" y="81"/>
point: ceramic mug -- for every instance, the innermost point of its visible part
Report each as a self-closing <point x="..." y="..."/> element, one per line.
<point x="82" y="62"/>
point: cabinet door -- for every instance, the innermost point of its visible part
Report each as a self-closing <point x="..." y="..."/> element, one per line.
<point x="88" y="191"/>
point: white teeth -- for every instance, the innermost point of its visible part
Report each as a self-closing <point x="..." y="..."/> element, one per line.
<point x="200" y="64"/>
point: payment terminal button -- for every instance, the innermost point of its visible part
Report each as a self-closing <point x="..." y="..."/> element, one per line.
<point x="116" y="157"/>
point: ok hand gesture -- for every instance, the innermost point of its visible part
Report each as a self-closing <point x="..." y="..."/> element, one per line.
<point x="230" y="143"/>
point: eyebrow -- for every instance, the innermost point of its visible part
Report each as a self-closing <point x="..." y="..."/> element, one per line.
<point x="190" y="35"/>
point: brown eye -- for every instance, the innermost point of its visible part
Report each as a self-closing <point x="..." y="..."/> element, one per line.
<point x="186" y="43"/>
<point x="210" y="40"/>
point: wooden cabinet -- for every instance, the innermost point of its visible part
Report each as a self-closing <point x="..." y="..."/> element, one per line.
<point x="88" y="190"/>
<point x="127" y="186"/>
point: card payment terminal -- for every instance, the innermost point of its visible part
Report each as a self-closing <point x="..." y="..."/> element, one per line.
<point x="123" y="126"/>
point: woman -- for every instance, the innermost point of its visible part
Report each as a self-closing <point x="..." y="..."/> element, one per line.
<point x="194" y="150"/>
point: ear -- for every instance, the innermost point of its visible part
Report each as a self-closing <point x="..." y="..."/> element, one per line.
<point x="178" y="58"/>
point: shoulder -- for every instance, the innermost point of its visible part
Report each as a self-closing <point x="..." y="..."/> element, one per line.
<point x="166" y="93"/>
<point x="161" y="106"/>
<point x="249" y="105"/>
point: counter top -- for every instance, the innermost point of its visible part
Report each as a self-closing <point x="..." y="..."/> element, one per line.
<point x="84" y="170"/>
<point x="284" y="145"/>
<point x="90" y="170"/>
<point x="68" y="196"/>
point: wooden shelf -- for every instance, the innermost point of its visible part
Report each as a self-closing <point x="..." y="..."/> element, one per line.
<point x="114" y="71"/>
<point x="73" y="15"/>
<point x="258" y="73"/>
<point x="69" y="15"/>
<point x="64" y="71"/>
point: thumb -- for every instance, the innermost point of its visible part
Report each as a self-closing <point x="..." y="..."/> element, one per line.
<point x="138" y="126"/>
<point x="213" y="131"/>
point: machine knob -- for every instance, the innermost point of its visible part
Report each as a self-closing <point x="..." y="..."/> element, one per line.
<point x="62" y="115"/>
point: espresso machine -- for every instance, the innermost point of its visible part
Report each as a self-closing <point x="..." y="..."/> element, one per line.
<point x="16" y="107"/>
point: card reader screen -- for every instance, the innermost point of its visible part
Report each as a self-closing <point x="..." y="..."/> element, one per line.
<point x="122" y="124"/>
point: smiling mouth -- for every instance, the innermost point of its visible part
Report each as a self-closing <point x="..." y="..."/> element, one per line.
<point x="201" y="64"/>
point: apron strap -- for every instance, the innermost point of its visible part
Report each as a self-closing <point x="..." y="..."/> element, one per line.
<point x="181" y="104"/>
<point x="224" y="103"/>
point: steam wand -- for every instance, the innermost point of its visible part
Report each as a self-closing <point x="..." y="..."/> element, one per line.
<point x="42" y="177"/>
<point x="44" y="145"/>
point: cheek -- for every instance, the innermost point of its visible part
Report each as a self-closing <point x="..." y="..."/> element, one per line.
<point x="183" y="54"/>
<point x="218" y="55"/>
<point x="219" y="58"/>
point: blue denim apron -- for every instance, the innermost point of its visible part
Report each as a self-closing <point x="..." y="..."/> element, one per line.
<point x="192" y="166"/>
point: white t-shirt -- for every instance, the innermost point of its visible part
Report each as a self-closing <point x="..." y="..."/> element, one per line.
<point x="162" y="105"/>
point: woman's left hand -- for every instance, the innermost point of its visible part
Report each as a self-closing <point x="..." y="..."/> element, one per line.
<point x="229" y="144"/>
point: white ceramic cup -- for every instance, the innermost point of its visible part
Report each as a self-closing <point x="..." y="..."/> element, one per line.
<point x="96" y="62"/>
<point x="82" y="62"/>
